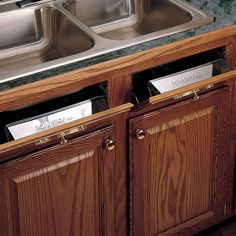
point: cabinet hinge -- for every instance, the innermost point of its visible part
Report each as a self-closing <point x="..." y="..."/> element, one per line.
<point x="42" y="141"/>
<point x="186" y="94"/>
<point x="61" y="136"/>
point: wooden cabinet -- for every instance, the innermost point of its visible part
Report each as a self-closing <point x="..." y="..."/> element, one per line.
<point x="181" y="155"/>
<point x="180" y="167"/>
<point x="67" y="189"/>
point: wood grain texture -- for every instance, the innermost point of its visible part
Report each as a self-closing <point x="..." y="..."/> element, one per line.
<point x="230" y="55"/>
<point x="61" y="191"/>
<point x="179" y="172"/>
<point x="100" y="120"/>
<point x="194" y="87"/>
<point x="119" y="90"/>
<point x="179" y="153"/>
<point x="233" y="134"/>
<point x="180" y="187"/>
<point x="114" y="69"/>
<point x="121" y="173"/>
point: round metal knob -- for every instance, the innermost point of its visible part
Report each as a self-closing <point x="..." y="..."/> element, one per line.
<point x="110" y="144"/>
<point x="140" y="134"/>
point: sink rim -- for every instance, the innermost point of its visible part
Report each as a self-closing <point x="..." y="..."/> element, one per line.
<point x="103" y="45"/>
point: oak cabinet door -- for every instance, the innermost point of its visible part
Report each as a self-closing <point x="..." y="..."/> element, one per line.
<point x="180" y="167"/>
<point x="65" y="190"/>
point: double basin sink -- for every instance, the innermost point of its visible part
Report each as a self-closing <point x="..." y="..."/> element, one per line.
<point x="47" y="35"/>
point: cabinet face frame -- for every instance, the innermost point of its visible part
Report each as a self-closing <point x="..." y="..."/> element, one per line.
<point x="212" y="109"/>
<point x="118" y="78"/>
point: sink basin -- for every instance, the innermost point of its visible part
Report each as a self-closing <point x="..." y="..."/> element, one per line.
<point x="129" y="19"/>
<point x="44" y="36"/>
<point x="36" y="35"/>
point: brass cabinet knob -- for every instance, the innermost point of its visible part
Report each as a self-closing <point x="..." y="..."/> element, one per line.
<point x="110" y="144"/>
<point x="140" y="134"/>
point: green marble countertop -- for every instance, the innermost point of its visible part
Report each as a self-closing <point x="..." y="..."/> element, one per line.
<point x="223" y="10"/>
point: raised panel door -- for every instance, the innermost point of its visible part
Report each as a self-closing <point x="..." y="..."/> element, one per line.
<point x="180" y="162"/>
<point x="61" y="191"/>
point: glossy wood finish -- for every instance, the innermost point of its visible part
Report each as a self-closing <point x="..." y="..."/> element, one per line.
<point x="91" y="123"/>
<point x="179" y="171"/>
<point x="63" y="190"/>
<point x="114" y="71"/>
<point x="233" y="135"/>
<point x="119" y="90"/>
<point x="177" y="194"/>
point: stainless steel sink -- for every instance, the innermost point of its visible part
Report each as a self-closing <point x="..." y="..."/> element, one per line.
<point x="46" y="35"/>
<point x="34" y="36"/>
<point x="129" y="19"/>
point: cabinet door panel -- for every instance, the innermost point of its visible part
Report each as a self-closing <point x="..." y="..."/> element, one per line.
<point x="61" y="191"/>
<point x="179" y="170"/>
